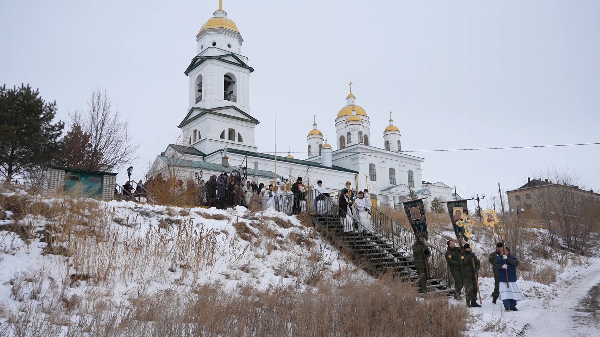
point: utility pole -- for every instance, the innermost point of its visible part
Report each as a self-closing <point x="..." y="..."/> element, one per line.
<point x="501" y="199"/>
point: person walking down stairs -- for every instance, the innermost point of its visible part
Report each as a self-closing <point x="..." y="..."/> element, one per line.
<point x="421" y="253"/>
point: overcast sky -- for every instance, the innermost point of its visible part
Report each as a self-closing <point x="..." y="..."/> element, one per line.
<point x="456" y="74"/>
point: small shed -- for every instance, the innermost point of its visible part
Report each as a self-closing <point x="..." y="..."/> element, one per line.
<point x="94" y="184"/>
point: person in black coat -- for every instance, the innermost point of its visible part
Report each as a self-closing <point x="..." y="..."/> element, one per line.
<point x="299" y="191"/>
<point x="345" y="201"/>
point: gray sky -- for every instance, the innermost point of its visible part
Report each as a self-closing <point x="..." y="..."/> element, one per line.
<point x="456" y="74"/>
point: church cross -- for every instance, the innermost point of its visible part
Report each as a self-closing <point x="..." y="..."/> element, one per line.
<point x="390" y="115"/>
<point x="351" y="87"/>
<point x="220" y="5"/>
<point x="315" y="119"/>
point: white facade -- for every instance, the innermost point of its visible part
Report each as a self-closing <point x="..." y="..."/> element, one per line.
<point x="219" y="122"/>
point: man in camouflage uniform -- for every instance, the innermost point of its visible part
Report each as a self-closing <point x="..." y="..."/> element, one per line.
<point x="469" y="267"/>
<point x="453" y="260"/>
<point x="492" y="260"/>
<point x="421" y="253"/>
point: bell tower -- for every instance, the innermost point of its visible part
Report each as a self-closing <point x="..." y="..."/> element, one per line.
<point x="219" y="89"/>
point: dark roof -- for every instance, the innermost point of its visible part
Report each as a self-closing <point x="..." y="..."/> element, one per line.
<point x="84" y="171"/>
<point x="535" y="183"/>
<point x="214" y="111"/>
<point x="186" y="150"/>
<point x="285" y="159"/>
<point x="179" y="162"/>
<point x="199" y="59"/>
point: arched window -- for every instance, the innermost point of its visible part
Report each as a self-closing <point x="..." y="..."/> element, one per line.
<point x="320" y="148"/>
<point x="195" y="131"/>
<point x="349" y="136"/>
<point x="231" y="135"/>
<point x="366" y="140"/>
<point x="372" y="172"/>
<point x="222" y="135"/>
<point x="342" y="142"/>
<point x="240" y="139"/>
<point x="230" y="88"/>
<point x="190" y="140"/>
<point x="309" y="151"/>
<point x="392" y="176"/>
<point x="198" y="88"/>
<point x="360" y="137"/>
<point x="399" y="146"/>
<point x="387" y="145"/>
<point x="411" y="179"/>
<point x="199" y="137"/>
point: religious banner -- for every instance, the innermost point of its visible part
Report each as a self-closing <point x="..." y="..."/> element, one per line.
<point x="415" y="211"/>
<point x="456" y="210"/>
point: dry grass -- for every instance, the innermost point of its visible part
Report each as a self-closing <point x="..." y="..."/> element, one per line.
<point x="212" y="216"/>
<point x="173" y="192"/>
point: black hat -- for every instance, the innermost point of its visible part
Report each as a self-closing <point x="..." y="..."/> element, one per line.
<point x="499" y="245"/>
<point x="467" y="246"/>
<point x="299" y="178"/>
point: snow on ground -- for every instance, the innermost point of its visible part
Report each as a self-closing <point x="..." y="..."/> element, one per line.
<point x="548" y="310"/>
<point x="140" y="249"/>
<point x="136" y="251"/>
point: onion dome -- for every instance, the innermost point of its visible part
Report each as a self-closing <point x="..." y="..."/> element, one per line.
<point x="326" y="146"/>
<point x="315" y="131"/>
<point x="353" y="118"/>
<point x="347" y="111"/>
<point x="391" y="127"/>
<point x="219" y="20"/>
<point x="289" y="155"/>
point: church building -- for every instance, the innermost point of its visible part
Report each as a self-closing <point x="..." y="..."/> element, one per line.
<point x="218" y="133"/>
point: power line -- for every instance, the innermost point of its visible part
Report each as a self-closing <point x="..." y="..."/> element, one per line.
<point x="475" y="148"/>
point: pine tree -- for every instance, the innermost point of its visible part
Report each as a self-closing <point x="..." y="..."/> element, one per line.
<point x="78" y="151"/>
<point x="28" y="138"/>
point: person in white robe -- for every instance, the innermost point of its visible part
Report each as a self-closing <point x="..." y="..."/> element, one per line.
<point x="247" y="193"/>
<point x="369" y="206"/>
<point x="321" y="196"/>
<point x="362" y="207"/>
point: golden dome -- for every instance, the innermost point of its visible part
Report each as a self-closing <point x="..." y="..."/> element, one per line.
<point x="391" y="128"/>
<point x="217" y="22"/>
<point x="315" y="132"/>
<point x="353" y="118"/>
<point x="326" y="146"/>
<point x="289" y="156"/>
<point x="351" y="96"/>
<point x="347" y="111"/>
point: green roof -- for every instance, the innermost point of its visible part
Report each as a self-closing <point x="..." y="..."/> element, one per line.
<point x="103" y="173"/>
<point x="285" y="159"/>
<point x="214" y="111"/>
<point x="178" y="162"/>
<point x="186" y="150"/>
<point x="198" y="60"/>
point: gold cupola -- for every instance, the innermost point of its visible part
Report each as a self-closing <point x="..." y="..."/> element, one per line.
<point x="219" y="20"/>
<point x="315" y="131"/>
<point x="351" y="105"/>
<point x="391" y="127"/>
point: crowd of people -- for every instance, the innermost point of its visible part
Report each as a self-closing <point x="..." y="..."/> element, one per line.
<point x="464" y="267"/>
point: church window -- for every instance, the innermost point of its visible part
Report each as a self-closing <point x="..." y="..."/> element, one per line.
<point x="190" y="140"/>
<point x="372" y="172"/>
<point x="195" y="135"/>
<point x="392" y="176"/>
<point x="309" y="151"/>
<point x="399" y="146"/>
<point x="222" y="135"/>
<point x="198" y="88"/>
<point x="360" y="137"/>
<point x="231" y="135"/>
<point x="320" y="148"/>
<point x="201" y="47"/>
<point x="229" y="45"/>
<point x="240" y="139"/>
<point x="411" y="179"/>
<point x="214" y="43"/>
<point x="349" y="135"/>
<point x="387" y="145"/>
<point x="366" y="140"/>
<point x="342" y="142"/>
<point x="230" y="88"/>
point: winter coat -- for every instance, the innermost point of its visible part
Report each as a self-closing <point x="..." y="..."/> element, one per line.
<point x="466" y="265"/>
<point x="453" y="258"/>
<point x="211" y="188"/>
<point x="421" y="253"/>
<point x="492" y="260"/>
<point x="512" y="263"/>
